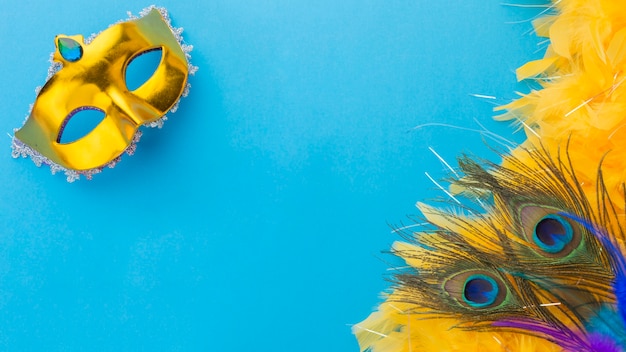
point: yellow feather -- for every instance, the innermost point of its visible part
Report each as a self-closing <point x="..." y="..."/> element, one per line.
<point x="401" y="327"/>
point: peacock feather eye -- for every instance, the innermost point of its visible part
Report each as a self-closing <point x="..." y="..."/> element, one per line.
<point x="549" y="232"/>
<point x="480" y="291"/>
<point x="553" y="233"/>
<point x="477" y="289"/>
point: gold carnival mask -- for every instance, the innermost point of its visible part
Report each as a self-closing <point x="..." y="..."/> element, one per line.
<point x="92" y="77"/>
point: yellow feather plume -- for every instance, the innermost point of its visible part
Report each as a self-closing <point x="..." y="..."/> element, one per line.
<point x="578" y="120"/>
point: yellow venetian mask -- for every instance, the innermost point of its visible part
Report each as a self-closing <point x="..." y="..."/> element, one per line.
<point x="92" y="77"/>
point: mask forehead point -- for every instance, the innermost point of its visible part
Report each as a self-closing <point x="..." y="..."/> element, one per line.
<point x="68" y="48"/>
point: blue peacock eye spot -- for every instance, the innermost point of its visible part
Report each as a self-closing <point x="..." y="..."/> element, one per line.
<point x="480" y="291"/>
<point x="553" y="233"/>
<point x="70" y="49"/>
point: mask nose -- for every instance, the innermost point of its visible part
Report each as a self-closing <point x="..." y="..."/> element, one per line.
<point x="133" y="107"/>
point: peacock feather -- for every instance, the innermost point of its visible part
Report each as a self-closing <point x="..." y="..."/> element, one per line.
<point x="536" y="262"/>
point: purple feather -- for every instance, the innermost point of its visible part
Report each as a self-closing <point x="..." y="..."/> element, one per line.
<point x="569" y="340"/>
<point x="602" y="343"/>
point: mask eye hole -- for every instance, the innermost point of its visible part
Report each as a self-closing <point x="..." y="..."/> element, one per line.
<point x="141" y="67"/>
<point x="79" y="123"/>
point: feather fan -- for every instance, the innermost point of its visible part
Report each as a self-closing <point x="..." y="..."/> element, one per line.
<point x="541" y="266"/>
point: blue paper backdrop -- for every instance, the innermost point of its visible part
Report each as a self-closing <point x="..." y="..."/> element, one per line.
<point x="255" y="218"/>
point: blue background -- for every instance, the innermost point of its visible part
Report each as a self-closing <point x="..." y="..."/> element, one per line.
<point x="255" y="219"/>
